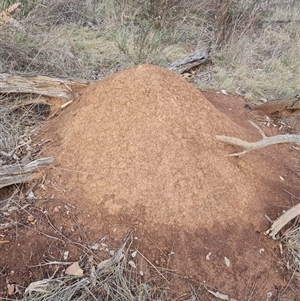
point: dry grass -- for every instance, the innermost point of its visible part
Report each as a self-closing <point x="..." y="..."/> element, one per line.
<point x="255" y="43"/>
<point x="126" y="275"/>
<point x="291" y="245"/>
<point x="19" y="123"/>
<point x="112" y="280"/>
<point x="265" y="63"/>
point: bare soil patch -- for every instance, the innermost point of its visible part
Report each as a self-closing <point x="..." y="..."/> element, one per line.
<point x="138" y="152"/>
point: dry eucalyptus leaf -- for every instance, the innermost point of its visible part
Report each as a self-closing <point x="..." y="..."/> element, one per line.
<point x="66" y="255"/>
<point x="94" y="246"/>
<point x="104" y="264"/>
<point x="221" y="296"/>
<point x="74" y="269"/>
<point x="10" y="289"/>
<point x="132" y="264"/>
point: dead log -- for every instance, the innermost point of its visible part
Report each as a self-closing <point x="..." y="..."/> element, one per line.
<point x="20" y="173"/>
<point x="279" y="106"/>
<point x="40" y="85"/>
<point x="284" y="219"/>
<point x="189" y="62"/>
<point x="265" y="141"/>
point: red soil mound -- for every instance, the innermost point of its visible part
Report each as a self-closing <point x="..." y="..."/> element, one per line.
<point x="138" y="151"/>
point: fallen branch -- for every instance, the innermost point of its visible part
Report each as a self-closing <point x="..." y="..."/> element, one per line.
<point x="285" y="218"/>
<point x="265" y="141"/>
<point x="279" y="106"/>
<point x="40" y="85"/>
<point x="16" y="173"/>
<point x="190" y="62"/>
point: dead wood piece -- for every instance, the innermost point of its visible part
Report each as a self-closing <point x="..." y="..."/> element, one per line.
<point x="40" y="85"/>
<point x="265" y="141"/>
<point x="190" y="62"/>
<point x="17" y="179"/>
<point x="20" y="173"/>
<point x="284" y="219"/>
<point x="278" y="106"/>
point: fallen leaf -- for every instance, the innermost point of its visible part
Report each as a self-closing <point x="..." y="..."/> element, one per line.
<point x="74" y="269"/>
<point x="66" y="255"/>
<point x="104" y="264"/>
<point x="227" y="261"/>
<point x="94" y="246"/>
<point x="221" y="296"/>
<point x="31" y="195"/>
<point x="10" y="289"/>
<point x="132" y="264"/>
<point x="133" y="254"/>
<point x="30" y="218"/>
<point x="56" y="209"/>
<point x="224" y="92"/>
<point x="207" y="256"/>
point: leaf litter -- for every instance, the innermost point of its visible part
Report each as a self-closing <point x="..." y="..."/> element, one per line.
<point x="110" y="279"/>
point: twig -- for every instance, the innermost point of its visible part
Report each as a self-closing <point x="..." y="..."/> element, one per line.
<point x="51" y="263"/>
<point x="265" y="141"/>
<point x="155" y="268"/>
<point x="291" y="194"/>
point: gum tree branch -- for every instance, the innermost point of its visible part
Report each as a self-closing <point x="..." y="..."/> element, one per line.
<point x="265" y="141"/>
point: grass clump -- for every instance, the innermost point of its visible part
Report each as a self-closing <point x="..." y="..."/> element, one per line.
<point x="116" y="278"/>
<point x="291" y="244"/>
<point x="19" y="123"/>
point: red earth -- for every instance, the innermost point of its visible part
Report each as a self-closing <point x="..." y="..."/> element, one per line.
<point x="138" y="151"/>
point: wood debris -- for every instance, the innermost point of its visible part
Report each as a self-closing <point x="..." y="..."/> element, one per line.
<point x="283" y="220"/>
<point x="40" y="85"/>
<point x="282" y="107"/>
<point x="20" y="173"/>
<point x="265" y="141"/>
<point x="189" y="62"/>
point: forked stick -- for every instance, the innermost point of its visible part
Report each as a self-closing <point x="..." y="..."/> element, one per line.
<point x="265" y="141"/>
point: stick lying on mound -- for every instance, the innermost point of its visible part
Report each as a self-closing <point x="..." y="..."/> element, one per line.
<point x="265" y="141"/>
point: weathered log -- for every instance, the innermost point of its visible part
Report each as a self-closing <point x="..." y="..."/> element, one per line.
<point x="279" y="106"/>
<point x="40" y="85"/>
<point x="20" y="173"/>
<point x="285" y="218"/>
<point x="190" y="62"/>
<point x="265" y="141"/>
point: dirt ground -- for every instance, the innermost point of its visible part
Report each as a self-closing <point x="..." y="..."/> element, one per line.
<point x="137" y="151"/>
